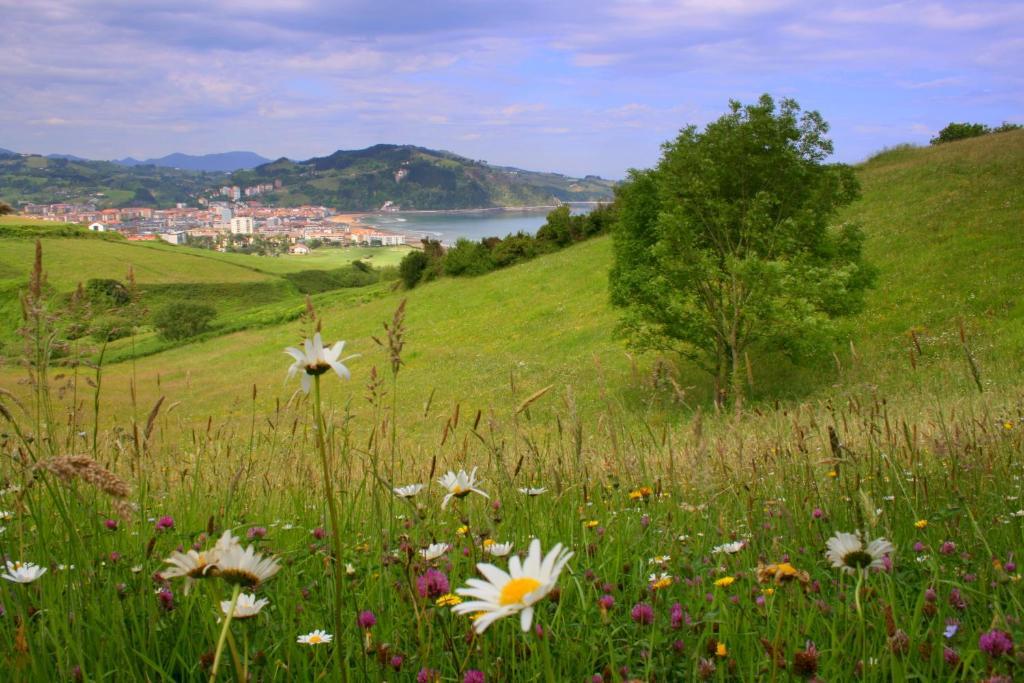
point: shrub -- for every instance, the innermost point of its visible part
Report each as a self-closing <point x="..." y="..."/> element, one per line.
<point x="107" y="328"/>
<point x="183" y="319"/>
<point x="468" y="258"/>
<point x="107" y="292"/>
<point x="412" y="266"/>
<point x="960" y="131"/>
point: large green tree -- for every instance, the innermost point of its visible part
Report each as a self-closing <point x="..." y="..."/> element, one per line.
<point x="728" y="243"/>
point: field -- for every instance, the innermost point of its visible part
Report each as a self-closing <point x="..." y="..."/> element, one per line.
<point x="699" y="537"/>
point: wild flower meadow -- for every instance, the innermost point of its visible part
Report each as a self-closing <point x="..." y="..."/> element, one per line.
<point x="317" y="543"/>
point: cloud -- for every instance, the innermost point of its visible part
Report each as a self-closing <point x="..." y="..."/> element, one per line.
<point x="302" y="77"/>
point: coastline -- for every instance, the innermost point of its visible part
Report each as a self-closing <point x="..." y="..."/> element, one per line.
<point x="358" y="216"/>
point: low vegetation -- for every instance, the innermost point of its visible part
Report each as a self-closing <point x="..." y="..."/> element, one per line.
<point x="859" y="519"/>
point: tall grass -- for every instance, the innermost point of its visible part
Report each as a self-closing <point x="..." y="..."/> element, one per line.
<point x="630" y="498"/>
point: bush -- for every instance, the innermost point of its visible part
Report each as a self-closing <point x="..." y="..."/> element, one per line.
<point x="412" y="266"/>
<point x="468" y="258"/>
<point x="107" y="328"/>
<point x="318" y="281"/>
<point x="183" y="319"/>
<point x="960" y="131"/>
<point x="107" y="292"/>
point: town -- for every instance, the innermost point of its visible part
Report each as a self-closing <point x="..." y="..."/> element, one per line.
<point x="227" y="222"/>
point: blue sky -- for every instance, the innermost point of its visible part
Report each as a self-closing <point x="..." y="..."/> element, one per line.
<point x="576" y="87"/>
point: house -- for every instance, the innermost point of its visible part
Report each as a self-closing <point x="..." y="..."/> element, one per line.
<point x="178" y="237"/>
<point x="301" y="249"/>
<point x="97" y="227"/>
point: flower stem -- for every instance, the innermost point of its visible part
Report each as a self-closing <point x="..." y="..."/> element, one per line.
<point x="332" y="507"/>
<point x="224" y="632"/>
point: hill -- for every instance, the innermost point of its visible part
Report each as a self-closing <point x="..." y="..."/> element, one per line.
<point x="246" y="291"/>
<point x="941" y="225"/>
<point x="415" y="178"/>
<point x="360" y="180"/>
<point x="45" y="180"/>
<point x="223" y="161"/>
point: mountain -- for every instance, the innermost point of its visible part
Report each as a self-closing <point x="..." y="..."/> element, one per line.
<point x="415" y="178"/>
<point x="47" y="180"/>
<point x="69" y="157"/>
<point x="357" y="180"/>
<point x="223" y="161"/>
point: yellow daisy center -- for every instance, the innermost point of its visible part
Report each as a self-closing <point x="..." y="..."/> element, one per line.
<point x="515" y="590"/>
<point x="456" y="489"/>
<point x="315" y="639"/>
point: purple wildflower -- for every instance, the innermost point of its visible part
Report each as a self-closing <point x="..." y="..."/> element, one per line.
<point x="366" y="620"/>
<point x="642" y="613"/>
<point x="951" y="656"/>
<point x="995" y="643"/>
<point x="433" y="584"/>
<point x="677" y="616"/>
<point x="111" y="524"/>
<point x="474" y="676"/>
<point x="166" y="599"/>
<point x="164" y="523"/>
<point x="426" y="675"/>
<point x="256" y="532"/>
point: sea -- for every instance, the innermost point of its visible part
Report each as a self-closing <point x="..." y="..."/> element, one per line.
<point x="450" y="226"/>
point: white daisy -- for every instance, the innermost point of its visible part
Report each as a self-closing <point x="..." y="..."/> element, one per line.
<point x="459" y="485"/>
<point x="246" y="606"/>
<point x="408" y="491"/>
<point x="317" y="637"/>
<point x="497" y="549"/>
<point x="191" y="565"/>
<point x="23" y="572"/>
<point x="518" y="590"/>
<point x="728" y="548"/>
<point x="245" y="567"/>
<point x="313" y="359"/>
<point x="530" y="491"/>
<point x="847" y="552"/>
<point x="6" y="515"/>
<point x="434" y="551"/>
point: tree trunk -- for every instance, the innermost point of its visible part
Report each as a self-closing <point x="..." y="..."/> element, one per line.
<point x="737" y="376"/>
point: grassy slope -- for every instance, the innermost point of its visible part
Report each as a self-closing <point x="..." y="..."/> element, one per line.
<point x="942" y="229"/>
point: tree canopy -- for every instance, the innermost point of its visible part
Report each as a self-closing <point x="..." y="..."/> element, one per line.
<point x="727" y="243"/>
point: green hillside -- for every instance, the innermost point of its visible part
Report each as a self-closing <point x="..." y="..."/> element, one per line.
<point x="943" y="228"/>
<point x="359" y="180"/>
<point x="245" y="290"/>
<point x="415" y="178"/>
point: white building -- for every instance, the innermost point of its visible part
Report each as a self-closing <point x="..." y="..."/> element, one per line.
<point x="299" y="249"/>
<point x="242" y="225"/>
<point x="97" y="227"/>
<point x="179" y="237"/>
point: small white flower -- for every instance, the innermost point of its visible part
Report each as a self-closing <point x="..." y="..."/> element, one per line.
<point x="459" y="485"/>
<point x="408" y="491"/>
<point x="1018" y="513"/>
<point x="434" y="551"/>
<point x="847" y="552"/>
<point x="6" y="515"/>
<point x="728" y="548"/>
<point x="518" y="590"/>
<point x="23" y="572"/>
<point x="661" y="560"/>
<point x="317" y="637"/>
<point x="497" y="549"/>
<point x="350" y="569"/>
<point x="313" y="360"/>
<point x="246" y="606"/>
<point x="531" y="491"/>
<point x="66" y="567"/>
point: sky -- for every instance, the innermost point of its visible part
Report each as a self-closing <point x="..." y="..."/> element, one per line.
<point x="578" y="87"/>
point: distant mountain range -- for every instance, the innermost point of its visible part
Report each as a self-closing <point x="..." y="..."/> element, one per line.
<point x="224" y="161"/>
<point x="401" y="176"/>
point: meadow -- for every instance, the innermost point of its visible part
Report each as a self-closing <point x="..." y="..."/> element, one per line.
<point x="699" y="538"/>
